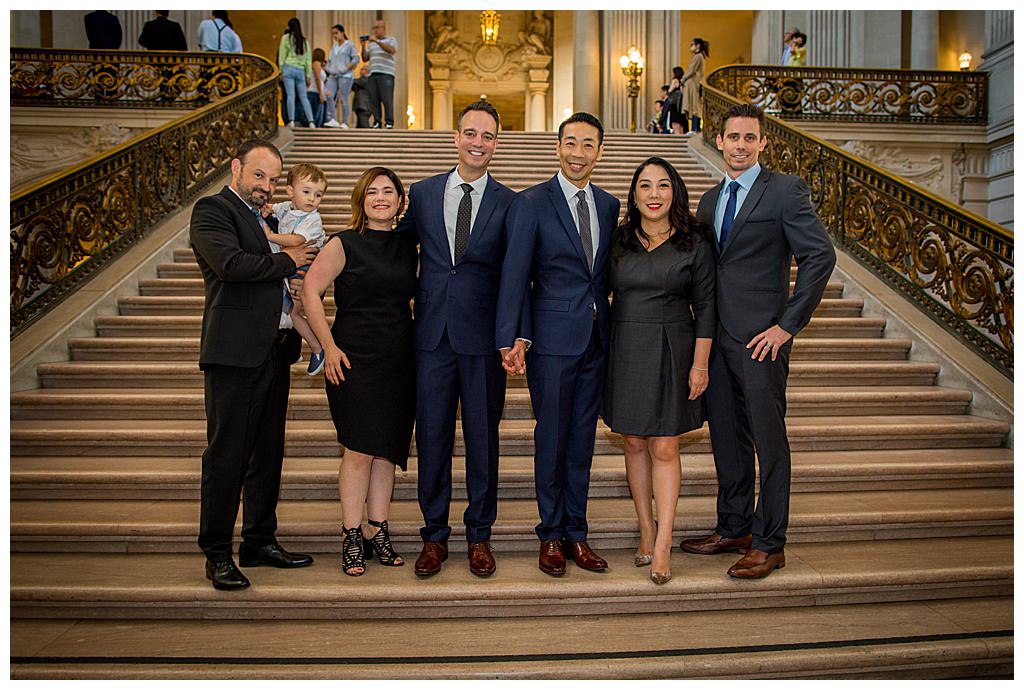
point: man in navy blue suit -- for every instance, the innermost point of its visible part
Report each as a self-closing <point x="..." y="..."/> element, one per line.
<point x="560" y="233"/>
<point x="459" y="217"/>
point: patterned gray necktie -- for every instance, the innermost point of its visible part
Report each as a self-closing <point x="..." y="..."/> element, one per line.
<point x="583" y="211"/>
<point x="462" y="221"/>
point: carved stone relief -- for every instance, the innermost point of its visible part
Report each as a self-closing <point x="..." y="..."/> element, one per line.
<point x="39" y="152"/>
<point x="927" y="170"/>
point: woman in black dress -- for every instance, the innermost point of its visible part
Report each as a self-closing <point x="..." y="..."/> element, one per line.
<point x="663" y="317"/>
<point x="369" y="361"/>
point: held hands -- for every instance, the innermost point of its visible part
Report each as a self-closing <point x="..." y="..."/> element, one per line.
<point x="303" y="254"/>
<point x="514" y="359"/>
<point x="698" y="382"/>
<point x="768" y="341"/>
<point x="334" y="360"/>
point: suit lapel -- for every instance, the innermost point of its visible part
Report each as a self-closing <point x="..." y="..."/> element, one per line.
<point x="565" y="215"/>
<point x="437" y="224"/>
<point x="483" y="214"/>
<point x="606" y="222"/>
<point x="249" y="218"/>
<point x="753" y="197"/>
<point x="706" y="212"/>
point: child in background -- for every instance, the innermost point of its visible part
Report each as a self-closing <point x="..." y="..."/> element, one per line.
<point x="299" y="222"/>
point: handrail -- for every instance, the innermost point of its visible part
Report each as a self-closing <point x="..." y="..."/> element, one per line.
<point x="129" y="78"/>
<point x="68" y="225"/>
<point x="859" y="95"/>
<point x="952" y="264"/>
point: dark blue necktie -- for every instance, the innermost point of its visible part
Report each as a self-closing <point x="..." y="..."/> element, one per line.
<point x="730" y="213"/>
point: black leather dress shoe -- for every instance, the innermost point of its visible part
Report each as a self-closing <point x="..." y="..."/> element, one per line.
<point x="273" y="555"/>
<point x="225" y="575"/>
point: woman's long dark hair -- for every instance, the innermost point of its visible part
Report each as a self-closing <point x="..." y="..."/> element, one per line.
<point x="686" y="230"/>
<point x="295" y="31"/>
<point x="702" y="46"/>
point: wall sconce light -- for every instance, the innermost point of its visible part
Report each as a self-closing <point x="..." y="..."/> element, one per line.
<point x="410" y="117"/>
<point x="965" y="61"/>
<point x="490" y="24"/>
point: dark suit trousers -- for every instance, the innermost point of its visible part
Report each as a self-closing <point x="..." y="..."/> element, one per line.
<point x="245" y="419"/>
<point x="746" y="404"/>
<point x="443" y="378"/>
<point x="566" y="397"/>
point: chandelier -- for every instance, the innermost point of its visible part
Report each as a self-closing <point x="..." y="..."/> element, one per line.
<point x="490" y="23"/>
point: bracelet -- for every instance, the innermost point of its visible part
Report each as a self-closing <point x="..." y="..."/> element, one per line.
<point x="698" y="368"/>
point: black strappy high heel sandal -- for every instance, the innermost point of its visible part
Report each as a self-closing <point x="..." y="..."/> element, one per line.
<point x="381" y="545"/>
<point x="352" y="561"/>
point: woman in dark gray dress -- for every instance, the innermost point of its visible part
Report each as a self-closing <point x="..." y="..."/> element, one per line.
<point x="663" y="317"/>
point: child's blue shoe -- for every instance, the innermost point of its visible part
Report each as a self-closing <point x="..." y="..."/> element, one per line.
<point x="316" y="363"/>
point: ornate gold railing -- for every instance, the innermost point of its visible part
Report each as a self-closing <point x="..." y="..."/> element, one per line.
<point x="129" y="79"/>
<point x="859" y="95"/>
<point x="953" y="264"/>
<point x="65" y="227"/>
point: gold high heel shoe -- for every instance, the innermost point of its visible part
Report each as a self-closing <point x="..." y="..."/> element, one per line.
<point x="642" y="559"/>
<point x="660" y="578"/>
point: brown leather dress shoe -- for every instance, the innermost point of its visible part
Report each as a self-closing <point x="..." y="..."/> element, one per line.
<point x="756" y="564"/>
<point x="716" y="543"/>
<point x="481" y="560"/>
<point x="434" y="553"/>
<point x="552" y="559"/>
<point x="584" y="556"/>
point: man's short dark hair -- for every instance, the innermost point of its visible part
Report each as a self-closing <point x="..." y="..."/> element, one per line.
<point x="248" y="146"/>
<point x="664" y="87"/>
<point x="659" y="102"/>
<point x="484" y="107"/>
<point x="585" y="118"/>
<point x="163" y="13"/>
<point x="744" y="110"/>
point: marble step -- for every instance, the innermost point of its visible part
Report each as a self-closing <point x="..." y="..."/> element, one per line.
<point x="177" y="326"/>
<point x="179" y="287"/>
<point x="954" y="638"/>
<point x="315" y="478"/>
<point x="144" y="373"/>
<point x="318" y="437"/>
<point x="184" y="403"/>
<point x="144" y="305"/>
<point x="172" y="586"/>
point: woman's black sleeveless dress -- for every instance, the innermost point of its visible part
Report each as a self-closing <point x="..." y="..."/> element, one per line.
<point x="374" y="407"/>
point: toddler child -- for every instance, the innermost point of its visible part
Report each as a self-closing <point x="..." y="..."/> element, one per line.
<point x="299" y="222"/>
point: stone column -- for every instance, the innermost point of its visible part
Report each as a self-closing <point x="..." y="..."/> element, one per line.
<point x="563" y="49"/>
<point x="131" y="26"/>
<point x="998" y="62"/>
<point x="536" y="114"/>
<point x="828" y="38"/>
<point x="663" y="27"/>
<point x="440" y="86"/>
<point x="587" y="72"/>
<point x="766" y="42"/>
<point x="622" y="29"/>
<point x="26" y="30"/>
<point x="397" y="27"/>
<point x="924" y="39"/>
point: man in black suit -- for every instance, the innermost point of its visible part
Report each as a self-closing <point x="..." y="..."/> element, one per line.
<point x="162" y="33"/>
<point x="246" y="349"/>
<point x="762" y="219"/>
<point x="103" y="30"/>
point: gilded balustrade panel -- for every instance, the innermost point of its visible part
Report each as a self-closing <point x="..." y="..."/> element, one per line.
<point x="67" y="226"/>
<point x="954" y="265"/>
<point x="130" y="79"/>
<point x="859" y="95"/>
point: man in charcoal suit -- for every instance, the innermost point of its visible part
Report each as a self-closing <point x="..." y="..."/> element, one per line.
<point x="761" y="219"/>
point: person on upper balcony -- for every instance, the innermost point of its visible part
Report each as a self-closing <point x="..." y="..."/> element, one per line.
<point x="798" y="50"/>
<point x="218" y="35"/>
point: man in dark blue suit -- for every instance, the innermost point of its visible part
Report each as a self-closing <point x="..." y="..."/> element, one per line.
<point x="560" y="233"/>
<point x="459" y="217"/>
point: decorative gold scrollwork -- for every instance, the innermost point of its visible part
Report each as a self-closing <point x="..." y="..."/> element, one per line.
<point x="858" y="95"/>
<point x="65" y="227"/>
<point x="954" y="265"/>
<point x="129" y="79"/>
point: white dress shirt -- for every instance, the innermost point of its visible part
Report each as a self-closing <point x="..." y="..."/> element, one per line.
<point x="746" y="180"/>
<point x="453" y="197"/>
<point x="286" y="320"/>
<point x="570" y="190"/>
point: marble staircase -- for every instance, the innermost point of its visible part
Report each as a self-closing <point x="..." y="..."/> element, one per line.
<point x="900" y="561"/>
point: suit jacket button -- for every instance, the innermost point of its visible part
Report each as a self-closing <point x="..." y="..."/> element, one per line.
<point x="454" y="271"/>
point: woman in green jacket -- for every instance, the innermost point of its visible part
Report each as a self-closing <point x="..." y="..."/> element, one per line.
<point x="295" y="60"/>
